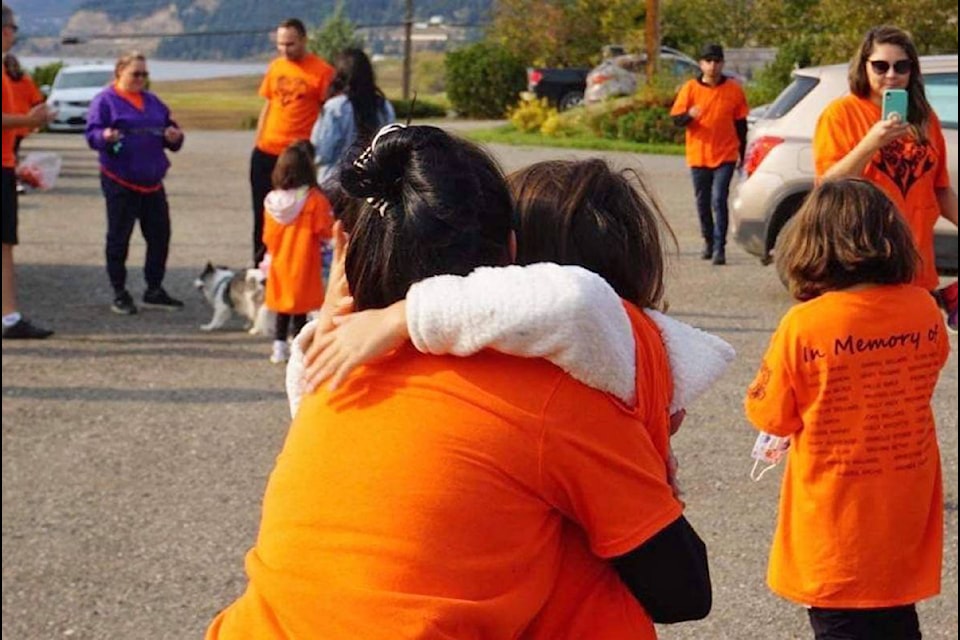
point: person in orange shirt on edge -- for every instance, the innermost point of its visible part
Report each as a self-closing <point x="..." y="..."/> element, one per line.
<point x="25" y="94"/>
<point x="15" y="326"/>
<point x="907" y="160"/>
<point x="848" y="377"/>
<point x="295" y="88"/>
<point x="428" y="495"/>
<point x="298" y="220"/>
<point x="713" y="108"/>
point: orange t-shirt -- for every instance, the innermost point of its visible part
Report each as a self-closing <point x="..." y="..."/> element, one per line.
<point x="589" y="600"/>
<point x="906" y="170"/>
<point x="133" y="97"/>
<point x="849" y="376"/>
<point x="9" y="135"/>
<point x="711" y="138"/>
<point x="425" y="498"/>
<point x="25" y="97"/>
<point x="295" y="284"/>
<point x="296" y="91"/>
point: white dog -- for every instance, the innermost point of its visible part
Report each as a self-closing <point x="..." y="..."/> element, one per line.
<point x="242" y="293"/>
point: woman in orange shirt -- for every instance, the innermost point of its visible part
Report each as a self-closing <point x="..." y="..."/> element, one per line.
<point x="907" y="160"/>
<point x="848" y="377"/>
<point x="297" y="221"/>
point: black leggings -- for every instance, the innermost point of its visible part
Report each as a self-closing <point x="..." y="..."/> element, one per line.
<point x="891" y="623"/>
<point x="288" y="324"/>
<point x="261" y="182"/>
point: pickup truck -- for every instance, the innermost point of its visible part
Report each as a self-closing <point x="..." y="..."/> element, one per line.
<point x="563" y="88"/>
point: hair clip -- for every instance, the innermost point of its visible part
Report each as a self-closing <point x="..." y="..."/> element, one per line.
<point x="379" y="204"/>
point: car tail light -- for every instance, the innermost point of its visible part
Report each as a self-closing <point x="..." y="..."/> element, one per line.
<point x="757" y="151"/>
<point x="534" y="76"/>
<point x="599" y="78"/>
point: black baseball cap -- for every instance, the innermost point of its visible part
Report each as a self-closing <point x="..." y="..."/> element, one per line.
<point x="712" y="51"/>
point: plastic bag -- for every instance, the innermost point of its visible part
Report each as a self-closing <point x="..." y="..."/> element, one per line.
<point x="39" y="170"/>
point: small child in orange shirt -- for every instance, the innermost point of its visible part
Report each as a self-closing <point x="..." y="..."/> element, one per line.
<point x="298" y="220"/>
<point x="848" y="377"/>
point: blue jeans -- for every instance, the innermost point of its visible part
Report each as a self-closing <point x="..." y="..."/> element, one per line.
<point x="711" y="187"/>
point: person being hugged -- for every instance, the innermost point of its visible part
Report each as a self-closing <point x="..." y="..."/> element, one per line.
<point x="848" y="377"/>
<point x="298" y="219"/>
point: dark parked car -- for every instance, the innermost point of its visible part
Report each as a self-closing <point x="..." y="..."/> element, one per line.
<point x="563" y="88"/>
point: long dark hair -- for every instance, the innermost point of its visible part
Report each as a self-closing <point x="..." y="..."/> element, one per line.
<point x="847" y="232"/>
<point x="583" y="213"/>
<point x="295" y="166"/>
<point x="919" y="109"/>
<point x="355" y="78"/>
<point x="432" y="204"/>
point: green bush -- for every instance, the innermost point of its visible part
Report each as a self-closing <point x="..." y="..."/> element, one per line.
<point x="483" y="80"/>
<point x="44" y="75"/>
<point x="421" y="109"/>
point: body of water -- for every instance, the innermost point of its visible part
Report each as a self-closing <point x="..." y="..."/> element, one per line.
<point x="166" y="69"/>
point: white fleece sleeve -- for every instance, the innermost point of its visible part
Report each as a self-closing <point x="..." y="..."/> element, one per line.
<point x="566" y="314"/>
<point x="296" y="368"/>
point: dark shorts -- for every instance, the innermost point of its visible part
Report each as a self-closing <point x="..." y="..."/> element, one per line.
<point x="9" y="206"/>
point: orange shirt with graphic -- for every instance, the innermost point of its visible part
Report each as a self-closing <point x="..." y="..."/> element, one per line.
<point x="849" y="376"/>
<point x="908" y="171"/>
<point x="25" y="97"/>
<point x="711" y="137"/>
<point x="426" y="498"/>
<point x="294" y="283"/>
<point x="589" y="600"/>
<point x="296" y="91"/>
<point x="9" y="136"/>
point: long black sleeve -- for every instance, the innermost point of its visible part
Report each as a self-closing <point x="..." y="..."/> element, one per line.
<point x="669" y="574"/>
<point x="741" y="126"/>
<point x="682" y="120"/>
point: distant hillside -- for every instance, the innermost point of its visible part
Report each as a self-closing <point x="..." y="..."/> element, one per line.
<point x="128" y="17"/>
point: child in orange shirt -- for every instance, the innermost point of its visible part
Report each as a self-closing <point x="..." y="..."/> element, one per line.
<point x="298" y="220"/>
<point x="848" y="377"/>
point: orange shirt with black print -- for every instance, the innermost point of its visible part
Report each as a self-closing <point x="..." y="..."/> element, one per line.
<point x="907" y="170"/>
<point x="9" y="136"/>
<point x="711" y="137"/>
<point x="294" y="282"/>
<point x="589" y="599"/>
<point x="25" y="97"/>
<point x="849" y="377"/>
<point x="427" y="496"/>
<point x="296" y="91"/>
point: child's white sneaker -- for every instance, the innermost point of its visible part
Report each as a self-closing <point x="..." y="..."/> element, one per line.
<point x="281" y="352"/>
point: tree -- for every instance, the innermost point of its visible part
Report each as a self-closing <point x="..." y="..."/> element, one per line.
<point x="335" y="34"/>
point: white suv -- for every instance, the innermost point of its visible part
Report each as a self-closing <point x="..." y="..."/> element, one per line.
<point x="778" y="167"/>
<point x="71" y="93"/>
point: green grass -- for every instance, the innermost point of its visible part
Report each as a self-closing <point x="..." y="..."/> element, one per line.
<point x="507" y="134"/>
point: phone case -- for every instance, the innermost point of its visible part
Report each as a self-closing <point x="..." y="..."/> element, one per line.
<point x="895" y="101"/>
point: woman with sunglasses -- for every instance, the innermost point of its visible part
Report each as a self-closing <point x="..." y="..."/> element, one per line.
<point x="907" y="160"/>
<point x="131" y="128"/>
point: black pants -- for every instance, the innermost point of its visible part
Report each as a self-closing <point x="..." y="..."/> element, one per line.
<point x="9" y="211"/>
<point x="288" y="324"/>
<point x="892" y="623"/>
<point x="124" y="207"/>
<point x="261" y="182"/>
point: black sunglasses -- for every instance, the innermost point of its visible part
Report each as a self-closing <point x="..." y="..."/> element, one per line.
<point x="140" y="74"/>
<point x="900" y="67"/>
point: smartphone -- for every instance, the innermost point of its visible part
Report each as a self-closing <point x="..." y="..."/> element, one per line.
<point x="895" y="102"/>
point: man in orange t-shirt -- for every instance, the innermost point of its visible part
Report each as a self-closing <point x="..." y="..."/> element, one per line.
<point x="15" y="326"/>
<point x="25" y="94"/>
<point x="295" y="88"/>
<point x="713" y="108"/>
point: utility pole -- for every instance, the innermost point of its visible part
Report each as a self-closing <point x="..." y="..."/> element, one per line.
<point x="407" y="48"/>
<point x="652" y="39"/>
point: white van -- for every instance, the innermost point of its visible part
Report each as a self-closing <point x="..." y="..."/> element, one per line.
<point x="71" y="93"/>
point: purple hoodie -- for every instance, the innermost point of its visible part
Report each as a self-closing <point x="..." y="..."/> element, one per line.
<point x="138" y="157"/>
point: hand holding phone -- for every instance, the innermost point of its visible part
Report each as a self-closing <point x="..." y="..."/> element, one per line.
<point x="895" y="104"/>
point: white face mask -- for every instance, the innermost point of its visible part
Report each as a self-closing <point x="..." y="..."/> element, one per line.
<point x="770" y="450"/>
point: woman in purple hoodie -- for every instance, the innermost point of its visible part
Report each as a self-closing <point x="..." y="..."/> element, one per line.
<point x="130" y="127"/>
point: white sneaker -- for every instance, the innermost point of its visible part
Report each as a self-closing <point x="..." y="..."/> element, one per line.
<point x="281" y="352"/>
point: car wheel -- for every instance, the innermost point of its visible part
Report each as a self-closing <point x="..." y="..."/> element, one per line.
<point x="569" y="100"/>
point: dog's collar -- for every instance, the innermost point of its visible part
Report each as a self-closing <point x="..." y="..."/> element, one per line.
<point x="221" y="288"/>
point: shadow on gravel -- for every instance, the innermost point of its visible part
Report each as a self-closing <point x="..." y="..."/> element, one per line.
<point x="193" y="395"/>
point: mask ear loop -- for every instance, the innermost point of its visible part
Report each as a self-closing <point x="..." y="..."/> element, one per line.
<point x="756" y="476"/>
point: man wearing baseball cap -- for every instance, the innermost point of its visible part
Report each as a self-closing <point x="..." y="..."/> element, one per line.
<point x="713" y="108"/>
